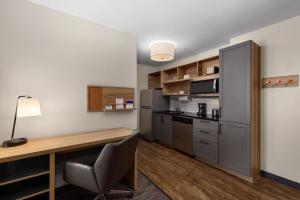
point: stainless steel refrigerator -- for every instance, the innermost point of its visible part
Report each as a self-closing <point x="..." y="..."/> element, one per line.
<point x="151" y="100"/>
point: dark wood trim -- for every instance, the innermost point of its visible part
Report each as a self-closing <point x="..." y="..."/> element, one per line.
<point x="280" y="180"/>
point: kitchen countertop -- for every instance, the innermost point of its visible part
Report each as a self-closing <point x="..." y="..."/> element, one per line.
<point x="189" y="114"/>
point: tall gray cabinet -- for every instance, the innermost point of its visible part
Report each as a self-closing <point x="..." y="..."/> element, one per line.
<point x="239" y="146"/>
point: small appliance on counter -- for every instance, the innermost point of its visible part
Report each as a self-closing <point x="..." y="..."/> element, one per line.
<point x="215" y="113"/>
<point x="212" y="70"/>
<point x="202" y="109"/>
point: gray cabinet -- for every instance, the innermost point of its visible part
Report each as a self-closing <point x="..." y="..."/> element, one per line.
<point x="235" y="83"/>
<point x="205" y="140"/>
<point x="240" y="109"/>
<point x="234" y="147"/>
<point x="163" y="128"/>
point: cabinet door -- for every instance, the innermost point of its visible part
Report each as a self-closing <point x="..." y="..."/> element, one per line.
<point x="157" y="126"/>
<point x="234" y="147"/>
<point x="163" y="128"/>
<point x="235" y="83"/>
<point x="167" y="129"/>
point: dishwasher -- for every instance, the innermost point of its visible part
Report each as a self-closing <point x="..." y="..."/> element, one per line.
<point x="182" y="131"/>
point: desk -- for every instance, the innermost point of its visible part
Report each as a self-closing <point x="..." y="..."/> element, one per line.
<point x="35" y="162"/>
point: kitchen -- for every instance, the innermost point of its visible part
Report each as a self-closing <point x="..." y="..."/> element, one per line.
<point x="209" y="109"/>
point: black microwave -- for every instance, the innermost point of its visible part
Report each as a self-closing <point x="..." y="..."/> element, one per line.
<point x="205" y="87"/>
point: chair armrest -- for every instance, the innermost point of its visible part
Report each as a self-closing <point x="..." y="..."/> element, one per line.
<point x="80" y="175"/>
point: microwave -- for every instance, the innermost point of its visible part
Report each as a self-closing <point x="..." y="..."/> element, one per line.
<point x="205" y="87"/>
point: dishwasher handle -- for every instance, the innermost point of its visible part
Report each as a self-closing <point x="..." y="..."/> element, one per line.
<point x="185" y="120"/>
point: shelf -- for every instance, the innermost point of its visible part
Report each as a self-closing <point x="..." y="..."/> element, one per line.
<point x="25" y="189"/>
<point x="19" y="170"/>
<point x="23" y="176"/>
<point x="206" y="77"/>
<point x="174" y="94"/>
<point x="176" y="81"/>
<point x="119" y="110"/>
<point x="154" y="80"/>
<point x="101" y="96"/>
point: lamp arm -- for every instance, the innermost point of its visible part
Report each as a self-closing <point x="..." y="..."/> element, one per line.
<point x="15" y="118"/>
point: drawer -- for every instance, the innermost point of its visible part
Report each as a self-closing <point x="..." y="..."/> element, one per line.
<point x="205" y="150"/>
<point x="206" y="135"/>
<point x="206" y="125"/>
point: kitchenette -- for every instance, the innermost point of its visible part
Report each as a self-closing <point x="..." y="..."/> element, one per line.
<point x="209" y="109"/>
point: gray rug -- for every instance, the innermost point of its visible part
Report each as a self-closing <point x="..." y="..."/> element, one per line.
<point x="146" y="191"/>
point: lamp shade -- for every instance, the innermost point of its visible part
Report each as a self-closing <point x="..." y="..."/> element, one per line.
<point x="28" y="107"/>
<point x="162" y="51"/>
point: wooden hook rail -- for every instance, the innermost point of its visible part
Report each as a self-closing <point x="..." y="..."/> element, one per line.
<point x="281" y="81"/>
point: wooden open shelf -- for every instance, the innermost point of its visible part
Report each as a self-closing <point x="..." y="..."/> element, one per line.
<point x="25" y="189"/>
<point x="154" y="80"/>
<point x="204" y="64"/>
<point x="20" y="170"/>
<point x="169" y="75"/>
<point x="101" y="96"/>
<point x="189" y="69"/>
<point x="172" y="80"/>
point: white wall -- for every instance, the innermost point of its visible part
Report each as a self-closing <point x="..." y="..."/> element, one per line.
<point x="280" y="132"/>
<point x="53" y="57"/>
<point x="142" y="82"/>
<point x="280" y="113"/>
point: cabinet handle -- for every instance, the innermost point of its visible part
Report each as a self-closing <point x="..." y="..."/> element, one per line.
<point x="204" y="142"/>
<point x="161" y="119"/>
<point x="206" y="132"/>
<point x="207" y="122"/>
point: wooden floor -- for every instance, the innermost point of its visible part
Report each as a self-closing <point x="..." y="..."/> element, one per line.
<point x="182" y="177"/>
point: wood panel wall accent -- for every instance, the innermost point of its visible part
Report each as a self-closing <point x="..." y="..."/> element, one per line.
<point x="281" y="81"/>
<point x="101" y="96"/>
<point x="154" y="80"/>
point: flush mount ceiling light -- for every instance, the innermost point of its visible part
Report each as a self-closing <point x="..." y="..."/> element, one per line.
<point x="162" y="51"/>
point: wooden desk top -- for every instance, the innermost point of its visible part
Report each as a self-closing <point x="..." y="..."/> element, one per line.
<point x="43" y="146"/>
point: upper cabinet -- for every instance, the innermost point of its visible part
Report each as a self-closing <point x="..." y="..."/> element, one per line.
<point x="235" y="83"/>
<point x="176" y="81"/>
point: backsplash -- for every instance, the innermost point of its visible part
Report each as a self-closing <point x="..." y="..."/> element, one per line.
<point x="192" y="104"/>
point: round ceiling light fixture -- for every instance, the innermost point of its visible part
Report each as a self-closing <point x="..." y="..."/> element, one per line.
<point x="162" y="51"/>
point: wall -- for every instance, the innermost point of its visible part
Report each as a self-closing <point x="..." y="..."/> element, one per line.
<point x="53" y="57"/>
<point x="192" y="104"/>
<point x="280" y="111"/>
<point x="142" y="82"/>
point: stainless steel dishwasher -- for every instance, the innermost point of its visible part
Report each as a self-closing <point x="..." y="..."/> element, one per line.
<point x="182" y="131"/>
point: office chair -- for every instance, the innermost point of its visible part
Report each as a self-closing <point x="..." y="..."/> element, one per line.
<point x="104" y="176"/>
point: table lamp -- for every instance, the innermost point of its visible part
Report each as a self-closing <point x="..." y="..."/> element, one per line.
<point x="26" y="107"/>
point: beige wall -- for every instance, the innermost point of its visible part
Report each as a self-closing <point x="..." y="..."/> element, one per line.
<point x="280" y="132"/>
<point x="53" y="57"/>
<point x="280" y="111"/>
<point x="142" y="82"/>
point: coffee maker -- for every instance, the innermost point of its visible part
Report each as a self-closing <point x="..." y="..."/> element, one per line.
<point x="202" y="109"/>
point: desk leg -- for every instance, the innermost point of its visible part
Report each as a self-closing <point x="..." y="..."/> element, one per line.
<point x="132" y="174"/>
<point x="52" y="177"/>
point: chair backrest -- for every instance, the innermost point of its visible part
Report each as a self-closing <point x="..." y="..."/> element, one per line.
<point x="114" y="161"/>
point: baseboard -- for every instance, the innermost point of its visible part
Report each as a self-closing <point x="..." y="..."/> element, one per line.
<point x="281" y="180"/>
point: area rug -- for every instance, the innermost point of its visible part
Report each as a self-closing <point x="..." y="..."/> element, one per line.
<point x="146" y="191"/>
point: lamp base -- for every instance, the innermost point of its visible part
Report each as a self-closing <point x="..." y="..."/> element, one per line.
<point x="14" y="142"/>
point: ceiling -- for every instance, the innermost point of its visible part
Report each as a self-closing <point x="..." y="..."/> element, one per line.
<point x="193" y="25"/>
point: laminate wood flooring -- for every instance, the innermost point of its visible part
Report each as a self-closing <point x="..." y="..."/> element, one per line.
<point x="182" y="177"/>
